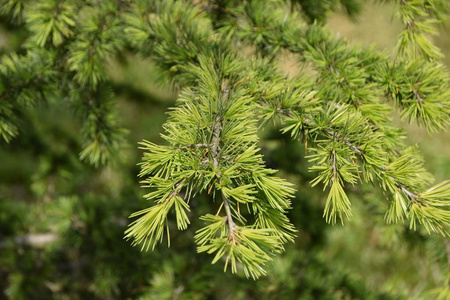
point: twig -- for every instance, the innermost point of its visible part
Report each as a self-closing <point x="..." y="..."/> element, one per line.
<point x="193" y="146"/>
<point x="411" y="195"/>
<point x="231" y="224"/>
<point x="417" y="95"/>
<point x="346" y="142"/>
<point x="334" y="167"/>
<point x="215" y="150"/>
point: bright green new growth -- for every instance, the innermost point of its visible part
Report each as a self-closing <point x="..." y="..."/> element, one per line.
<point x="213" y="149"/>
<point x="343" y="115"/>
<point x="342" y="112"/>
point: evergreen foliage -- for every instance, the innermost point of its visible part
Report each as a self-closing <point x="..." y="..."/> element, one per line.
<point x="340" y="109"/>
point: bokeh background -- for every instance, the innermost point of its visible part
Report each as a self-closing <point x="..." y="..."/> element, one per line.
<point x="62" y="221"/>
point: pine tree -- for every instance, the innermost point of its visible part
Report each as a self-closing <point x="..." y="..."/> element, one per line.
<point x="340" y="108"/>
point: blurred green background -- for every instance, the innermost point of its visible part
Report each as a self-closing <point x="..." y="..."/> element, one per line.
<point x="62" y="221"/>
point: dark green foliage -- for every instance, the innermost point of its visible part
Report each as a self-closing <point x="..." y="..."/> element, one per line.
<point x="319" y="10"/>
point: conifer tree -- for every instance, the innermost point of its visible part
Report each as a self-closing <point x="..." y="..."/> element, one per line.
<point x="340" y="110"/>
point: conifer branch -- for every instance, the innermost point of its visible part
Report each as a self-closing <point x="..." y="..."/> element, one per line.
<point x="211" y="137"/>
<point x="418" y="19"/>
<point x="215" y="151"/>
